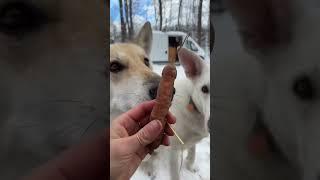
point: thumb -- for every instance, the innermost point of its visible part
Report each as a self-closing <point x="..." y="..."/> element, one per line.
<point x="146" y="135"/>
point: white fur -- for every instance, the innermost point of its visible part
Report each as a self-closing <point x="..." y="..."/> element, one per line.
<point x="131" y="86"/>
<point x="128" y="94"/>
<point x="246" y="84"/>
<point x="191" y="126"/>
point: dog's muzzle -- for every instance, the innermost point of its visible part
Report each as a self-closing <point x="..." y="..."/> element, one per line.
<point x="153" y="92"/>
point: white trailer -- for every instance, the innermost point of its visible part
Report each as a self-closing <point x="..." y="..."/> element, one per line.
<point x="159" y="50"/>
<point x="163" y="41"/>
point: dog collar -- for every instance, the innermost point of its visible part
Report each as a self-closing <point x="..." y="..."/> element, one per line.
<point x="191" y="106"/>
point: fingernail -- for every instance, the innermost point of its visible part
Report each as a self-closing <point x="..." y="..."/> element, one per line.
<point x="155" y="124"/>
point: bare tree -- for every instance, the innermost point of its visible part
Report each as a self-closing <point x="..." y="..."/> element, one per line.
<point x="155" y="11"/>
<point x="199" y="26"/>
<point x="126" y="8"/>
<point x="193" y="15"/>
<point x="170" y="15"/>
<point x="123" y="24"/>
<point x="131" y="29"/>
<point x="160" y="14"/>
<point x="179" y="13"/>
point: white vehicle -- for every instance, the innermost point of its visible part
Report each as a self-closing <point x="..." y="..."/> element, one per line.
<point x="162" y="41"/>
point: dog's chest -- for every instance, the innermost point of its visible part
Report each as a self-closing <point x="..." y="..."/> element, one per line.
<point x="190" y="123"/>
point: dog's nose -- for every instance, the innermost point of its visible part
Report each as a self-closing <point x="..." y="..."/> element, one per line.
<point x="153" y="92"/>
<point x="174" y="92"/>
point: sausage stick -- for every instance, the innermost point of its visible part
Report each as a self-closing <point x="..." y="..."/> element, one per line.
<point x="163" y="100"/>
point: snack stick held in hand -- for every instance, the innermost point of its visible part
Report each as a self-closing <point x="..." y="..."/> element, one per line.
<point x="163" y="100"/>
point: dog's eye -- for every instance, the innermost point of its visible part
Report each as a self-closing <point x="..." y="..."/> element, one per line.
<point x="116" y="67"/>
<point x="147" y="62"/>
<point x="303" y="88"/>
<point x="205" y="89"/>
<point x="18" y="18"/>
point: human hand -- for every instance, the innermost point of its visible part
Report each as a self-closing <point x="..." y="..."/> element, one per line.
<point x="129" y="136"/>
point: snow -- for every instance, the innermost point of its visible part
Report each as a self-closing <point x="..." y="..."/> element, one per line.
<point x="202" y="162"/>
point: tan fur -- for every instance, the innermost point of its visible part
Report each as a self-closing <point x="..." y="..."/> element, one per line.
<point x="132" y="56"/>
<point x="132" y="85"/>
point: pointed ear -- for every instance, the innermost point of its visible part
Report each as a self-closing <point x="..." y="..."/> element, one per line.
<point x="265" y="24"/>
<point x="144" y="37"/>
<point x="191" y="63"/>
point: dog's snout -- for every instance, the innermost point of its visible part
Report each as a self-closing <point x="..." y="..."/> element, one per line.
<point x="153" y="92"/>
<point x="174" y="92"/>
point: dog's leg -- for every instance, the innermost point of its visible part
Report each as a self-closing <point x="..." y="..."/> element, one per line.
<point x="191" y="157"/>
<point x="175" y="164"/>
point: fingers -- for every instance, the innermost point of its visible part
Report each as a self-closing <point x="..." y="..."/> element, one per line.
<point x="138" y="117"/>
<point x="145" y="136"/>
<point x="144" y="151"/>
<point x="171" y="119"/>
<point x="131" y="119"/>
<point x="134" y="125"/>
<point x="140" y="111"/>
<point x="166" y="140"/>
<point x="168" y="130"/>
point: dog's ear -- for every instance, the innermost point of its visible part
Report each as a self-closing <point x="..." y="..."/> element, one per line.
<point x="265" y="24"/>
<point x="190" y="62"/>
<point x="144" y="37"/>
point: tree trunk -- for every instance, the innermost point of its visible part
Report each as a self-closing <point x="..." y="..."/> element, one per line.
<point x="170" y="16"/>
<point x="126" y="8"/>
<point x="131" y="30"/>
<point x="193" y="15"/>
<point x="160" y="14"/>
<point x="199" y="31"/>
<point x="155" y="11"/>
<point x="179" y="13"/>
<point x="123" y="24"/>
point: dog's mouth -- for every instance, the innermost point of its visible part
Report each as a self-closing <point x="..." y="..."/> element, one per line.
<point x="261" y="142"/>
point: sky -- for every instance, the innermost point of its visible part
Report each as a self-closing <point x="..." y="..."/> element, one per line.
<point x="143" y="10"/>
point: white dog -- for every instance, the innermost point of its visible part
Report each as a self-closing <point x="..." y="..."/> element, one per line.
<point x="266" y="99"/>
<point x="191" y="106"/>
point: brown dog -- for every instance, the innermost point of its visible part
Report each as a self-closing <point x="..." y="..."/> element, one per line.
<point x="132" y="80"/>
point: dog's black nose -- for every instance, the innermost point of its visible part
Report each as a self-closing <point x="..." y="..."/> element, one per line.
<point x="174" y="92"/>
<point x="153" y="92"/>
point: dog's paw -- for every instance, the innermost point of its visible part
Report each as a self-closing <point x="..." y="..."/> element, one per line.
<point x="193" y="168"/>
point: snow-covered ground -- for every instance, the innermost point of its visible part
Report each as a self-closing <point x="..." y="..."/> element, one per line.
<point x="202" y="155"/>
